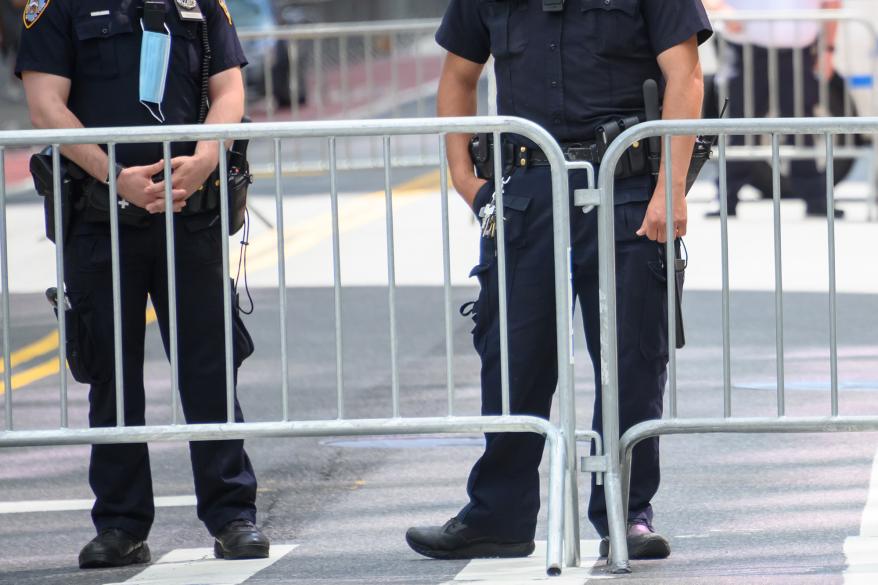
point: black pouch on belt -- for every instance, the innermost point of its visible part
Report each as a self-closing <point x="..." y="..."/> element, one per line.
<point x="239" y="181"/>
<point x="41" y="171"/>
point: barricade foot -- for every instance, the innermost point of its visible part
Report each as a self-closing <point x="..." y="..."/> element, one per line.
<point x="621" y="568"/>
<point x="553" y="571"/>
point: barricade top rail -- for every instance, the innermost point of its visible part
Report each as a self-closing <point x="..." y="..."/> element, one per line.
<point x="734" y="127"/>
<point x="320" y="31"/>
<point x="281" y="130"/>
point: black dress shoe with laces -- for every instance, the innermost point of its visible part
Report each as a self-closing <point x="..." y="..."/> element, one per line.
<point x="643" y="543"/>
<point x="456" y="540"/>
<point x="240" y="539"/>
<point x="113" y="548"/>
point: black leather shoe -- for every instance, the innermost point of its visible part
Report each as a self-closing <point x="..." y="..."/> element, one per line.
<point x="643" y="543"/>
<point x="455" y="540"/>
<point x="113" y="548"/>
<point x="240" y="539"/>
<point x="717" y="213"/>
<point x="821" y="212"/>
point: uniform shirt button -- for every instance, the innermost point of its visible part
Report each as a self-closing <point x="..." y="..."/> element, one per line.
<point x="105" y="31"/>
<point x="552" y="46"/>
<point x="554" y="84"/>
<point x="607" y="2"/>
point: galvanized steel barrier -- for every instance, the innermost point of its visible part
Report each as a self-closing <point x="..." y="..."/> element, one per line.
<point x="563" y="497"/>
<point x="342" y="71"/>
<point x="860" y="70"/>
<point x="618" y="451"/>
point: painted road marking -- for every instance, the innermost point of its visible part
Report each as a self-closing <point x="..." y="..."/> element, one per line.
<point x="47" y="368"/>
<point x="262" y="254"/>
<point x="186" y="566"/>
<point x="861" y="551"/>
<point x="529" y="570"/>
<point x="31" y="506"/>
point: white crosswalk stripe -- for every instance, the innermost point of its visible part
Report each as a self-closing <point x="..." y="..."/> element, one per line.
<point x="528" y="570"/>
<point x="861" y="551"/>
<point x="187" y="566"/>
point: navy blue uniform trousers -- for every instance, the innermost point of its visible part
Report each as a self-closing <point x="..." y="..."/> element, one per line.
<point x="503" y="486"/>
<point x="119" y="475"/>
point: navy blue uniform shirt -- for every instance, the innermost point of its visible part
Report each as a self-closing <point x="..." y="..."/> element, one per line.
<point x="96" y="44"/>
<point x="571" y="71"/>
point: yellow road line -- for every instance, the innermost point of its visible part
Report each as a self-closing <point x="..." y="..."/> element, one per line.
<point x="262" y="251"/>
<point x="35" y="349"/>
<point x="34" y="374"/>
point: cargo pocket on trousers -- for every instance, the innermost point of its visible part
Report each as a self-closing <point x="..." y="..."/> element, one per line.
<point x="654" y="323"/>
<point x="87" y="363"/>
<point x="479" y="309"/>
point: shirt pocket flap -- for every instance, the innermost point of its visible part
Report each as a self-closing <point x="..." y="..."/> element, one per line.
<point x="629" y="6"/>
<point x="100" y="27"/>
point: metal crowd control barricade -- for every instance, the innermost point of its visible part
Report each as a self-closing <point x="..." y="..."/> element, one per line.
<point x="562" y="527"/>
<point x="619" y="450"/>
<point x="860" y="70"/>
<point x="383" y="69"/>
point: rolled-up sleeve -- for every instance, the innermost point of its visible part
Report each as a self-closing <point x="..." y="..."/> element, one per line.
<point x="671" y="22"/>
<point x="226" y="51"/>
<point x="463" y="32"/>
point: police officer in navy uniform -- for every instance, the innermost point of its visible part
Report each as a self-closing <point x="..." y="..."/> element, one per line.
<point x="80" y="62"/>
<point x="573" y="67"/>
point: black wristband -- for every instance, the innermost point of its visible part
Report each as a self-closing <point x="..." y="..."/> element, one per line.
<point x="119" y="169"/>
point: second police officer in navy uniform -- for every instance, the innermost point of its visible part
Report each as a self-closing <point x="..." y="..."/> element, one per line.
<point x="573" y="67"/>
<point x="86" y="63"/>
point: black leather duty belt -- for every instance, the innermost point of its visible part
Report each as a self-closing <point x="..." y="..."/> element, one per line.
<point x="589" y="152"/>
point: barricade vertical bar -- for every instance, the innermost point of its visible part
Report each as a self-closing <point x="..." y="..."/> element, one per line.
<point x="62" y="294"/>
<point x="343" y="65"/>
<point x="268" y="75"/>
<point x="227" y="292"/>
<point x="394" y="71"/>
<point x="671" y="272"/>
<point x="336" y="272"/>
<point x="293" y="56"/>
<point x="749" y="88"/>
<point x="281" y="279"/>
<point x="318" y="75"/>
<point x="369" y="46"/>
<point x="172" y="283"/>
<point x="564" y="303"/>
<point x="613" y="483"/>
<point x="833" y="296"/>
<point x="821" y="75"/>
<point x="4" y="282"/>
<point x="778" y="272"/>
<point x="500" y="241"/>
<point x="446" y="270"/>
<point x="724" y="235"/>
<point x="391" y="278"/>
<point x="798" y="91"/>
<point x="773" y="81"/>
<point x="848" y="139"/>
<point x="113" y="206"/>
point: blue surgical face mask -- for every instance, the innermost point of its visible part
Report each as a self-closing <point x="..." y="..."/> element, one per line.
<point x="155" y="55"/>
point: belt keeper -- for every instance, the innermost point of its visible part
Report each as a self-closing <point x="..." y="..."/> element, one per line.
<point x="524" y="156"/>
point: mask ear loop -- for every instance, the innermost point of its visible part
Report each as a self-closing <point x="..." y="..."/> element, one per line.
<point x="148" y="105"/>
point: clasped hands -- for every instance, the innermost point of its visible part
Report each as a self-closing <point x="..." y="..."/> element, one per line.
<point x="188" y="173"/>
